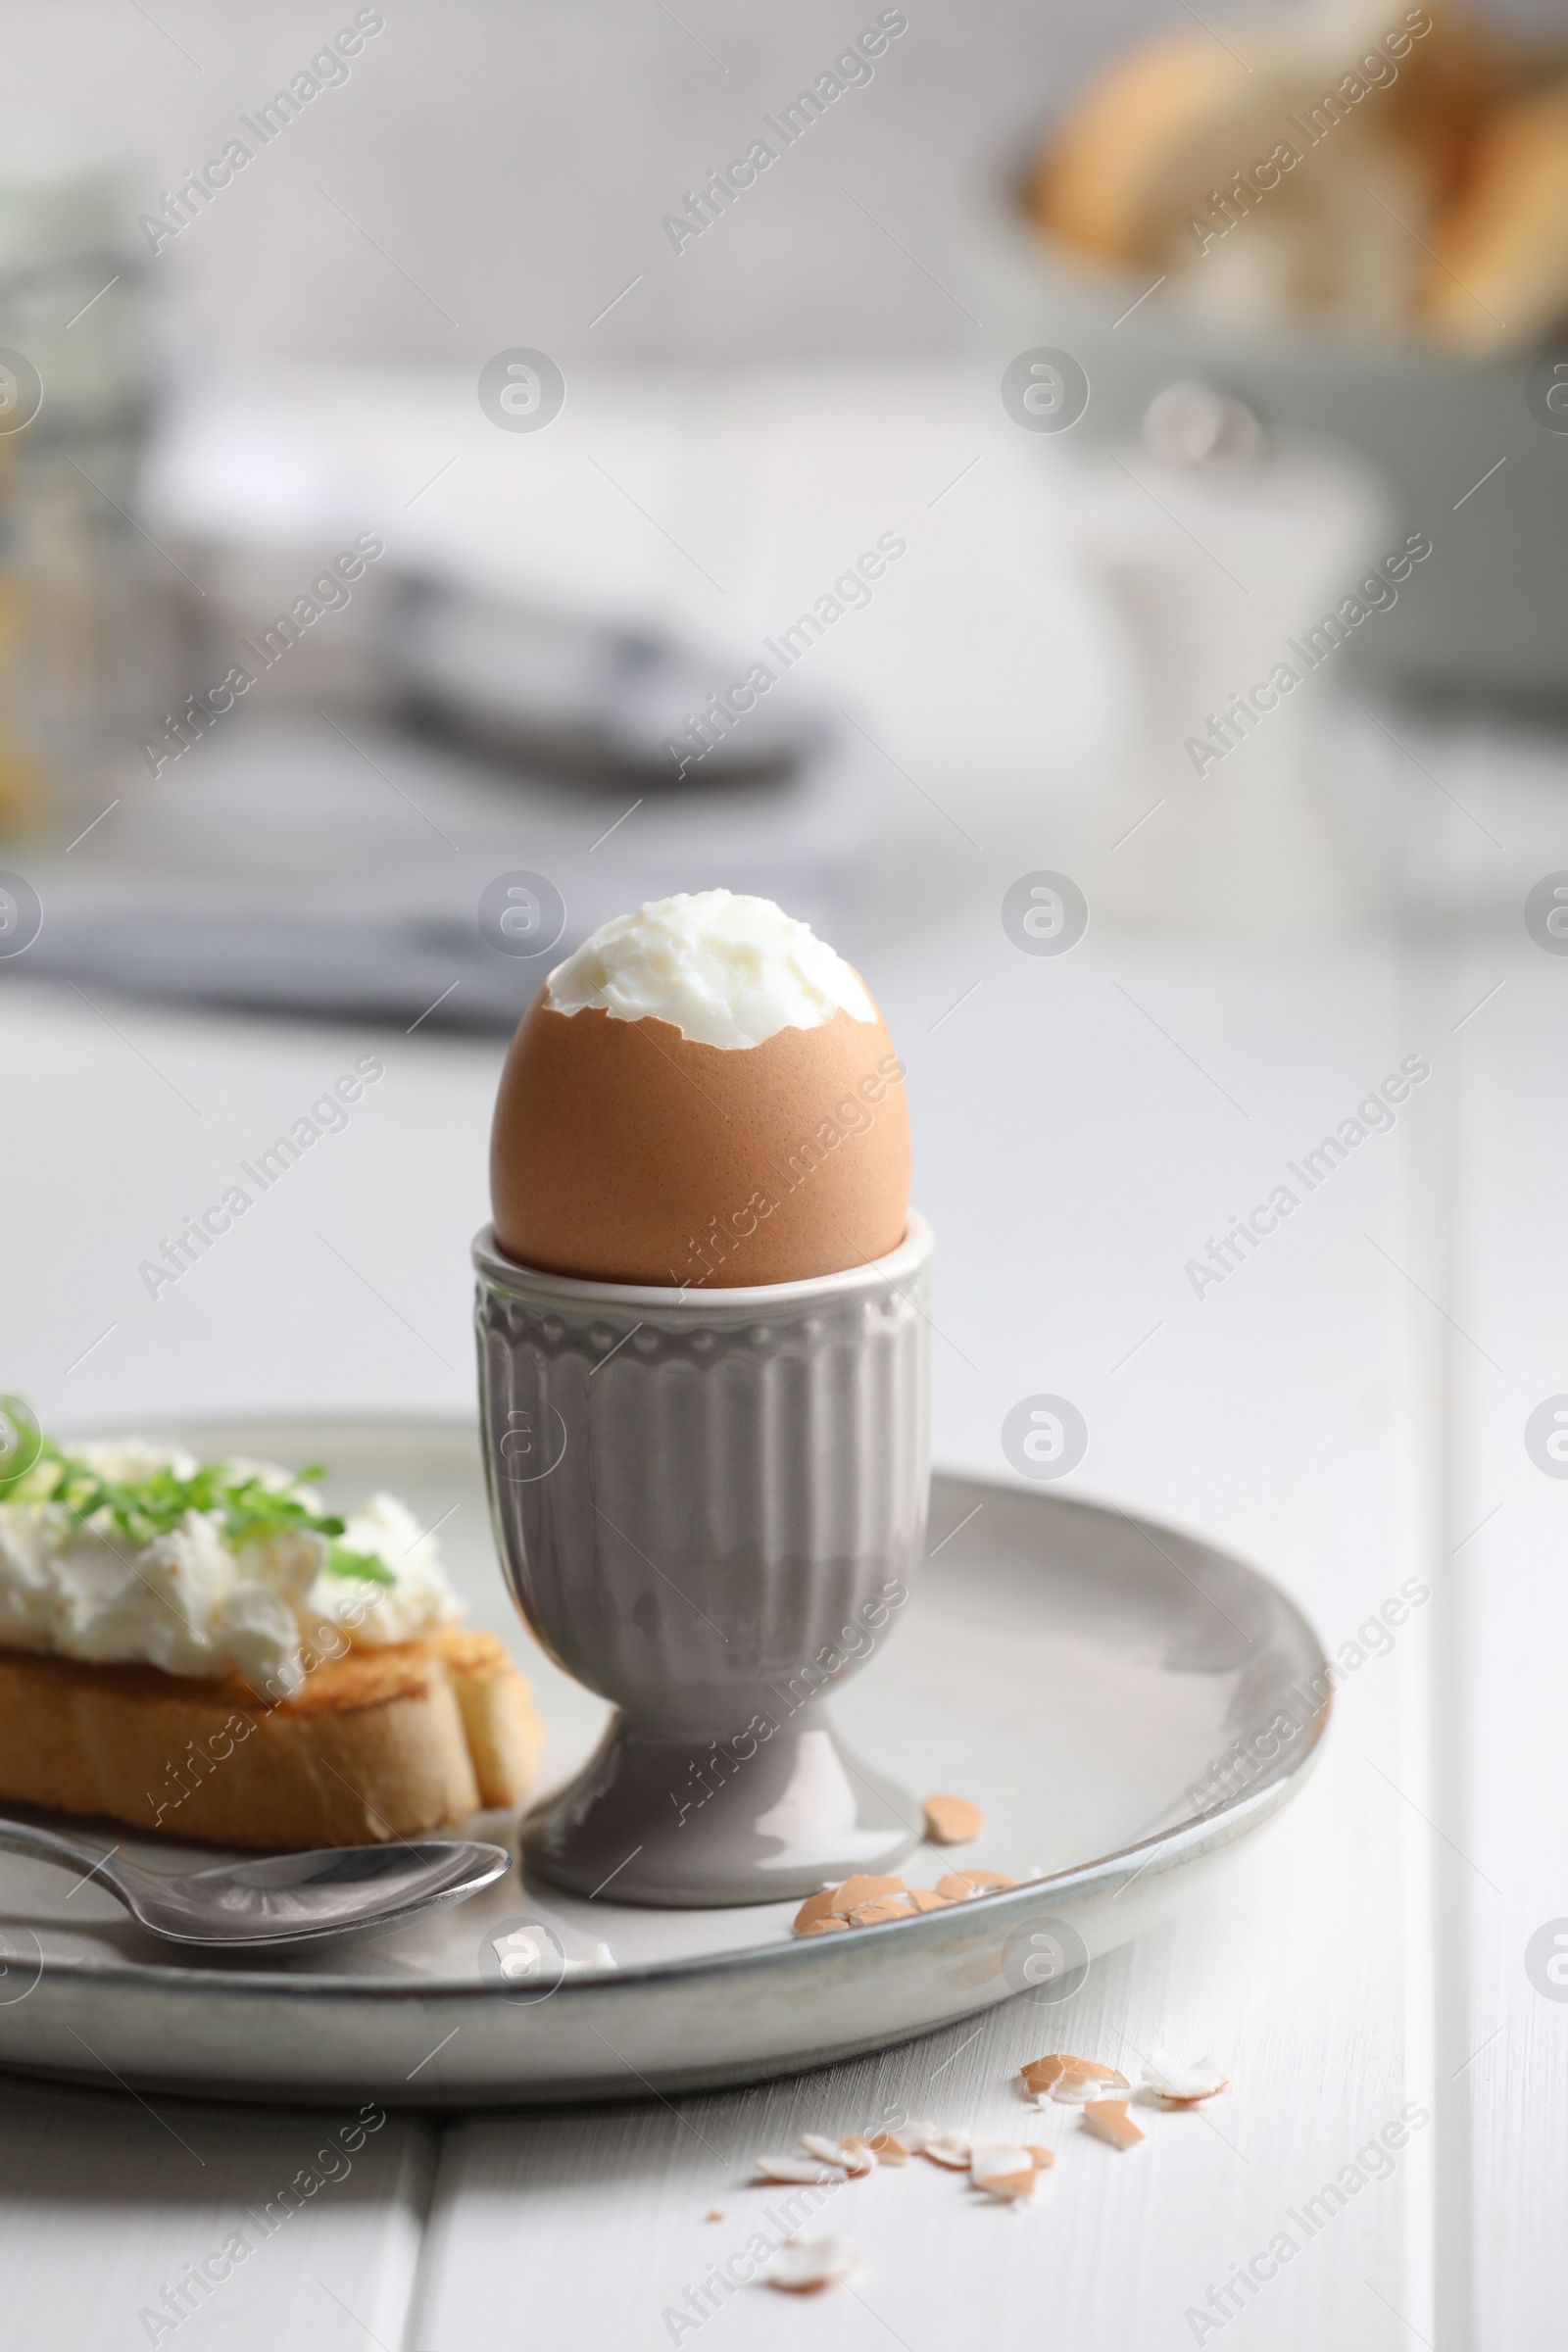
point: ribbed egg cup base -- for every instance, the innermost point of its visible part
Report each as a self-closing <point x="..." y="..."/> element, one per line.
<point x="693" y="1824"/>
<point x="710" y="1508"/>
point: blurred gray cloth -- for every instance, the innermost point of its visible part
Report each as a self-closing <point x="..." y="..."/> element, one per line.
<point x="300" y="867"/>
<point x="433" y="972"/>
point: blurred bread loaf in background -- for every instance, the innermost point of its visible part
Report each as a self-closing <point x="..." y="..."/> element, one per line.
<point x="1502" y="249"/>
<point x="1361" y="165"/>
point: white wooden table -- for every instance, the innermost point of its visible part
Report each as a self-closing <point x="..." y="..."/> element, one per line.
<point x="1348" y="1409"/>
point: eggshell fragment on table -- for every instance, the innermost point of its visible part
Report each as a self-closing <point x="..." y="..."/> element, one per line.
<point x="1109" y="2120"/>
<point x="802" y="2172"/>
<point x="801" y="2264"/>
<point x="1169" y="2084"/>
<point x="1001" y="2170"/>
<point x="1070" y="2080"/>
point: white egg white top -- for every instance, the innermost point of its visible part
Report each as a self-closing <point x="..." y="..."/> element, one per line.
<point x="190" y="1604"/>
<point x="725" y="970"/>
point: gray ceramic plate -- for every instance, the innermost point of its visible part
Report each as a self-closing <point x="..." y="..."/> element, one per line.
<point x="1076" y="1672"/>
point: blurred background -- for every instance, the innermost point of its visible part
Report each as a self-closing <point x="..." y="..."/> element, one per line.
<point x="1071" y="501"/>
<point x="464" y="470"/>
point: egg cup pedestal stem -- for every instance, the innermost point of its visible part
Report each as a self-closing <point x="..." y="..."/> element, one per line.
<point x="710" y="1507"/>
<point x="693" y="1823"/>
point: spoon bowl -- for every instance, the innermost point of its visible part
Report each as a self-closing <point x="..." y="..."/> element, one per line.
<point x="280" y="1899"/>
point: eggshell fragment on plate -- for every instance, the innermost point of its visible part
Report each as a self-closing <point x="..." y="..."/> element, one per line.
<point x="960" y="1885"/>
<point x="801" y="2264"/>
<point x="1070" y="2081"/>
<point x="882" y="1913"/>
<point x="950" y="2148"/>
<point x="815" y="1908"/>
<point x="863" y="1887"/>
<point x="952" y="1820"/>
<point x="1109" y="2120"/>
<point x="868" y="1902"/>
<point x="624" y="1150"/>
<point x="886" y="2147"/>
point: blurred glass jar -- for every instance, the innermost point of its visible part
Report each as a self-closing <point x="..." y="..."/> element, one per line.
<point x="80" y="622"/>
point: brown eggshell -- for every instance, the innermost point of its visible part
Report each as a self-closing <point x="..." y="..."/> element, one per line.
<point x="626" y="1152"/>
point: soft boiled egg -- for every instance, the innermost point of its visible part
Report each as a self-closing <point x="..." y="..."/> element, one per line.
<point x="703" y="1095"/>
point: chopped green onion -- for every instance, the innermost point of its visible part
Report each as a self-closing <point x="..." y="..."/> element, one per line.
<point x="144" y="1509"/>
<point x="359" y="1563"/>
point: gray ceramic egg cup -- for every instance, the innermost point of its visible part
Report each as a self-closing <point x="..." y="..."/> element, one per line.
<point x="710" y="1506"/>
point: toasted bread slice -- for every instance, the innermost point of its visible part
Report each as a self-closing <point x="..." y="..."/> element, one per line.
<point x="381" y="1743"/>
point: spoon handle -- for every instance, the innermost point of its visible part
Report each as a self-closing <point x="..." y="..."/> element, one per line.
<point x="43" y="1846"/>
